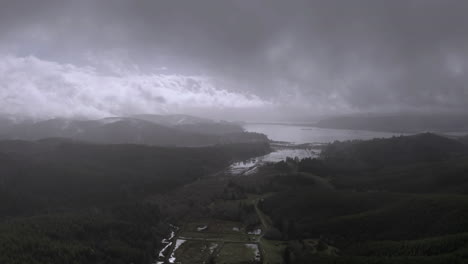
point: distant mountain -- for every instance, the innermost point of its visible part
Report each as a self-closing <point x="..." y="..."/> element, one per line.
<point x="400" y="123"/>
<point x="173" y="120"/>
<point x="6" y="123"/>
<point x="147" y="130"/>
<point x="193" y="124"/>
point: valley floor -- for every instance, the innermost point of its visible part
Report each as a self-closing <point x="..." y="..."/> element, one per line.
<point x="213" y="239"/>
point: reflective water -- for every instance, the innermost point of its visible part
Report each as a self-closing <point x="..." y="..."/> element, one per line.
<point x="297" y="135"/>
<point x="306" y="134"/>
<point x="249" y="166"/>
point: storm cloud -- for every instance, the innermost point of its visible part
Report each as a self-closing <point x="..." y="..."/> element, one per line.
<point x="275" y="57"/>
<point x="39" y="89"/>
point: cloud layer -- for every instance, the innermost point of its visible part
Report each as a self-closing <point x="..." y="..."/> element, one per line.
<point x="43" y="89"/>
<point x="305" y="56"/>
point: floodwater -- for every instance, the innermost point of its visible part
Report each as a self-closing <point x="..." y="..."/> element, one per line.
<point x="293" y="138"/>
<point x="278" y="154"/>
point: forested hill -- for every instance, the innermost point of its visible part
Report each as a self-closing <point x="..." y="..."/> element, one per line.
<point x="413" y="123"/>
<point x="420" y="163"/>
<point x="392" y="201"/>
<point x="172" y="130"/>
<point x="64" y="201"/>
<point x="57" y="172"/>
<point x="394" y="151"/>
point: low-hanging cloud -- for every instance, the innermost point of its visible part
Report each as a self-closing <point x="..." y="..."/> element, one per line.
<point x="306" y="57"/>
<point x="37" y="88"/>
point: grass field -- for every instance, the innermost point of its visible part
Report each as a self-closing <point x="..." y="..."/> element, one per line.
<point x="214" y="226"/>
<point x="237" y="253"/>
<point x="192" y="251"/>
<point x="273" y="251"/>
<point x="213" y="239"/>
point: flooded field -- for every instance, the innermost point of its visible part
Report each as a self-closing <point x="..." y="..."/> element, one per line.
<point x="212" y="240"/>
<point x="297" y="141"/>
<point x="280" y="152"/>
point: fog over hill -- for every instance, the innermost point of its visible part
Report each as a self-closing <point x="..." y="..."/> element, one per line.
<point x="171" y="130"/>
<point x="409" y="122"/>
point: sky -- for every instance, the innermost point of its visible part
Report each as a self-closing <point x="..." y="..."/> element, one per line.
<point x="234" y="59"/>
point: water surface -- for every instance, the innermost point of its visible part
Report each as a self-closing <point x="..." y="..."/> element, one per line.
<point x="307" y="134"/>
<point x="297" y="135"/>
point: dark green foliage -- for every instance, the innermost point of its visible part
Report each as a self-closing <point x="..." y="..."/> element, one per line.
<point x="273" y="234"/>
<point x="314" y="166"/>
<point x="420" y="163"/>
<point x="380" y="153"/>
<point x="444" y="259"/>
<point x="236" y="211"/>
<point x="294" y="180"/>
<point x="94" y="236"/>
<point x="374" y="227"/>
<point x="424" y="247"/>
<point x="352" y="216"/>
<point x="60" y="174"/>
<point x="69" y="202"/>
<point x="283" y="166"/>
<point x="448" y="176"/>
<point x="394" y="203"/>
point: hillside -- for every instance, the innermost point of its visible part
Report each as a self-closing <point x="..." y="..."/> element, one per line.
<point x="412" y="123"/>
<point x="193" y="124"/>
<point x="123" y="130"/>
<point x="419" y="163"/>
<point x="393" y="151"/>
<point x="91" y="202"/>
<point x="396" y="200"/>
<point x="53" y="173"/>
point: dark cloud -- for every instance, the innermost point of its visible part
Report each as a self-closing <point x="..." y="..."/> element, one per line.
<point x="327" y="56"/>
